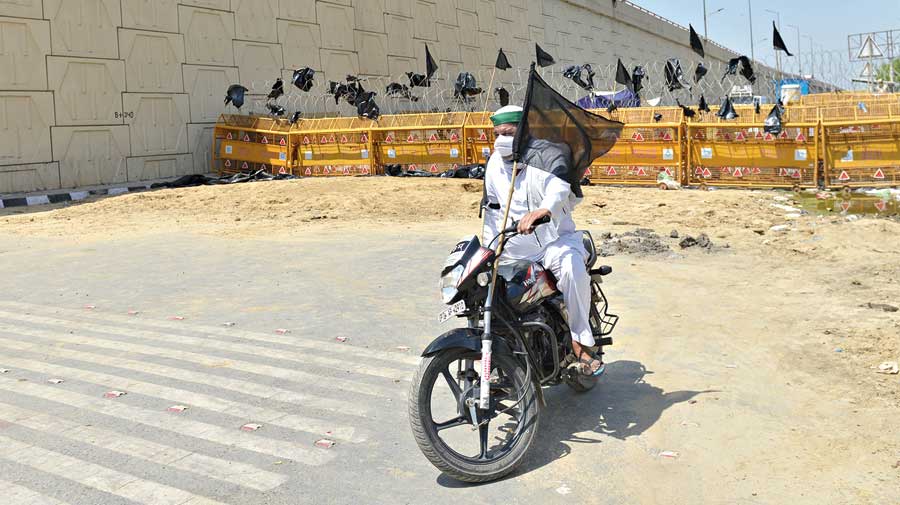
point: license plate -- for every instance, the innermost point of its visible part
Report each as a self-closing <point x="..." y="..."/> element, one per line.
<point x="456" y="308"/>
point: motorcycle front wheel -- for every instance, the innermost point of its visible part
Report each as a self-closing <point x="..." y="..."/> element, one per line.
<point x="478" y="446"/>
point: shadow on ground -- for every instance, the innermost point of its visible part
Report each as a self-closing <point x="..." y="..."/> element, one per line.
<point x="622" y="405"/>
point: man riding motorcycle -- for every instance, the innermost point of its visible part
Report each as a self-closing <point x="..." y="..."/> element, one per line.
<point x="539" y="193"/>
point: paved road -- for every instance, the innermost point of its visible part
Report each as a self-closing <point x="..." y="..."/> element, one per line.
<point x="146" y="316"/>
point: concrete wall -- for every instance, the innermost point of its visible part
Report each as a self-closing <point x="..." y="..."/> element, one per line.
<point x="107" y="91"/>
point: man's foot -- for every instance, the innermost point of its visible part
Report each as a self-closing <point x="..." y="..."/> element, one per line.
<point x="590" y="365"/>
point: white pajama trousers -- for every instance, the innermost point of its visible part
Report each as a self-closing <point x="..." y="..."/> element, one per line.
<point x="565" y="258"/>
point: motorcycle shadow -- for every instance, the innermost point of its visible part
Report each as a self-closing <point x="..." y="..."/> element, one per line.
<point x="622" y="405"/>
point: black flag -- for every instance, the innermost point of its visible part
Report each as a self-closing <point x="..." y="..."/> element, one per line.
<point x="674" y="74"/>
<point x="543" y="57"/>
<point x="637" y="77"/>
<point x="703" y="106"/>
<point x="502" y="61"/>
<point x="700" y="72"/>
<point x="559" y="137"/>
<point x="696" y="45"/>
<point x="773" y="121"/>
<point x="623" y="77"/>
<point x="726" y="110"/>
<point x="502" y="96"/>
<point x="746" y="68"/>
<point x="430" y="66"/>
<point x="777" y="41"/>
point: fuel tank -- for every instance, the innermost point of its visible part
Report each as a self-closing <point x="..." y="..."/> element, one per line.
<point x="526" y="283"/>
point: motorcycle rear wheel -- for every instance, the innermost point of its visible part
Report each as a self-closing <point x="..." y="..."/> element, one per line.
<point x="490" y="464"/>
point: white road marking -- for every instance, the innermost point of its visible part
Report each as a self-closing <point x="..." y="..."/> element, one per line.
<point x="231" y="472"/>
<point x="326" y="346"/>
<point x="207" y="360"/>
<point x="357" y="366"/>
<point x="199" y="400"/>
<point x="166" y="421"/>
<point x="96" y="476"/>
<point x="13" y="493"/>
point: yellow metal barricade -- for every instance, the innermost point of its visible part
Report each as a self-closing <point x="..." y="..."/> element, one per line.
<point x="337" y="146"/>
<point x="740" y="153"/>
<point x="862" y="152"/>
<point x="429" y="142"/>
<point x="251" y="143"/>
<point x="479" y="137"/>
<point x="847" y="97"/>
<point x="650" y="147"/>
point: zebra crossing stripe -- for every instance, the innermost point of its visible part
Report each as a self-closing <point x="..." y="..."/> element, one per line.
<point x="263" y="391"/>
<point x="203" y="359"/>
<point x="98" y="477"/>
<point x="24" y="496"/>
<point x="199" y="400"/>
<point x="355" y="366"/>
<point x="306" y="344"/>
<point x="231" y="472"/>
<point x="164" y="421"/>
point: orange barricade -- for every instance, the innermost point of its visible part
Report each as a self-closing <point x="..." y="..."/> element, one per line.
<point x="479" y="137"/>
<point x="337" y="146"/>
<point x="430" y="142"/>
<point x="650" y="147"/>
<point x="740" y="153"/>
<point x="251" y="143"/>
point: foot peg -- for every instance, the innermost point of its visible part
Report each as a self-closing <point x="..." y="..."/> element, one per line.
<point x="603" y="270"/>
<point x="605" y="341"/>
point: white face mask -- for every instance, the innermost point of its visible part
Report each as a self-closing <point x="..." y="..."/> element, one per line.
<point x="504" y="145"/>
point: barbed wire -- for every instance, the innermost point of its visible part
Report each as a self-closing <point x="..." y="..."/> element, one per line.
<point x="830" y="66"/>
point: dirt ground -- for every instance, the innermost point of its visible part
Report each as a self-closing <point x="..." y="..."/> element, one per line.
<point x="795" y="314"/>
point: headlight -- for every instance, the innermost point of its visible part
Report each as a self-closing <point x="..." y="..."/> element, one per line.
<point x="449" y="283"/>
<point x="484" y="279"/>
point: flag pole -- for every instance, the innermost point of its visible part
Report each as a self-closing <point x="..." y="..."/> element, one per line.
<point x="490" y="88"/>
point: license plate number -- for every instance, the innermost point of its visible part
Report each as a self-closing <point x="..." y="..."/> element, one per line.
<point x="456" y="308"/>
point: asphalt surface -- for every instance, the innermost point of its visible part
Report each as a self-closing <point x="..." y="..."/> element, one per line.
<point x="178" y="321"/>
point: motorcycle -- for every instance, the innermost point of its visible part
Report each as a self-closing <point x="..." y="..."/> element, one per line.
<point x="516" y="341"/>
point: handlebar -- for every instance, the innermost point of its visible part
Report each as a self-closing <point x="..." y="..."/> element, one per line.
<point x="515" y="226"/>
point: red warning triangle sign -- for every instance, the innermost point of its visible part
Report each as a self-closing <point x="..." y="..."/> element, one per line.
<point x="483" y="136"/>
<point x="740" y="136"/>
<point x="641" y="172"/>
<point x="282" y="141"/>
<point x="880" y="205"/>
<point x="364" y="138"/>
<point x="795" y="174"/>
<point x="410" y="139"/>
<point x="759" y="134"/>
<point x="707" y="173"/>
<point x="308" y="171"/>
<point x="228" y="136"/>
<point x="263" y="167"/>
<point x="323" y="140"/>
<point x="433" y="137"/>
<point x="611" y="171"/>
<point x="333" y="139"/>
<point x="366" y="171"/>
<point x="588" y="173"/>
<point x="245" y="166"/>
<point x="783" y="134"/>
<point x="389" y="138"/>
<point x="769" y="137"/>
<point x="737" y="172"/>
<point x="756" y="171"/>
<point x="454" y="137"/>
<point x="844" y="176"/>
<point x="305" y="140"/>
<point x="246" y="138"/>
<point x="265" y="140"/>
<point x="227" y="163"/>
<point x="346" y="170"/>
<point x="282" y="171"/>
<point x="700" y="136"/>
<point x="879" y="174"/>
<point x="414" y="167"/>
<point x="637" y="137"/>
<point x="801" y="137"/>
<point x="845" y="205"/>
<point x="343" y="139"/>
<point x="698" y="171"/>
<point x="667" y="137"/>
<point x="727" y="136"/>
<point x="433" y="168"/>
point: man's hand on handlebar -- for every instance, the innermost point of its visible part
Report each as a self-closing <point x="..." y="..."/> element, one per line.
<point x="533" y="219"/>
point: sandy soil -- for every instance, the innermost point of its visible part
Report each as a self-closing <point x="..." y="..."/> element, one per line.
<point x="816" y="279"/>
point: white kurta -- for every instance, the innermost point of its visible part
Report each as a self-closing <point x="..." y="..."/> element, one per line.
<point x="563" y="256"/>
